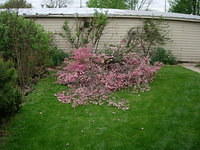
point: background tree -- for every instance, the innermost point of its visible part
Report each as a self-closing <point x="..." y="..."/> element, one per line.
<point x="120" y="4"/>
<point x="138" y="4"/>
<point x="16" y="4"/>
<point x="56" y="3"/>
<point x="185" y="6"/>
<point x="117" y="4"/>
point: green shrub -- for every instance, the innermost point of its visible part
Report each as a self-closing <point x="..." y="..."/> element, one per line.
<point x="86" y="31"/>
<point x="28" y="46"/>
<point x="144" y="39"/>
<point x="58" y="56"/>
<point x="10" y="97"/>
<point x="164" y="56"/>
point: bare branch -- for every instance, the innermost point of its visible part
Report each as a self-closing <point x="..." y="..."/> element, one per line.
<point x="56" y="3"/>
<point x="139" y="4"/>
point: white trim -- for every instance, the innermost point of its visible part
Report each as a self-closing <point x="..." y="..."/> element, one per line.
<point x="88" y="12"/>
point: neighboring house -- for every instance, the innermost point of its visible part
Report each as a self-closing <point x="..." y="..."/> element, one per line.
<point x="184" y="29"/>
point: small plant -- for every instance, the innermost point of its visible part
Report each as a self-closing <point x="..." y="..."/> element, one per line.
<point x="87" y="31"/>
<point x="10" y="97"/>
<point x="164" y="56"/>
<point x="144" y="39"/>
<point x="93" y="76"/>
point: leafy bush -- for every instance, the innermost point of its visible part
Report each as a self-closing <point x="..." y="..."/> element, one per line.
<point x="164" y="56"/>
<point x="144" y="39"/>
<point x="57" y="56"/>
<point x="86" y="31"/>
<point x="92" y="76"/>
<point x="28" y="46"/>
<point x="10" y="98"/>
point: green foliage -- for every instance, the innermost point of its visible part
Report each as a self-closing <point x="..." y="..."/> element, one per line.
<point x="120" y="4"/>
<point x="10" y="97"/>
<point x="86" y="31"/>
<point x="16" y="4"/>
<point x="138" y="4"/>
<point x="132" y="4"/>
<point x="117" y="4"/>
<point x="27" y="45"/>
<point x="144" y="39"/>
<point x="185" y="6"/>
<point x="57" y="56"/>
<point x="164" y="56"/>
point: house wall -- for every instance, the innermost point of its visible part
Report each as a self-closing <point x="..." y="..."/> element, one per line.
<point x="184" y="43"/>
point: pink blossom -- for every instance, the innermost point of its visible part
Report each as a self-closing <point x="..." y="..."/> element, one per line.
<point x="92" y="77"/>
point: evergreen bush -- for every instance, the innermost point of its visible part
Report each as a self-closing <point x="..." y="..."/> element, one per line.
<point x="10" y="97"/>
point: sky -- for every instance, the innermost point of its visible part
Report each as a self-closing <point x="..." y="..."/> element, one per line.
<point x="158" y="5"/>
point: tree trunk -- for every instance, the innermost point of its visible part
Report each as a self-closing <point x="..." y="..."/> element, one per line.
<point x="198" y="7"/>
<point x="194" y="5"/>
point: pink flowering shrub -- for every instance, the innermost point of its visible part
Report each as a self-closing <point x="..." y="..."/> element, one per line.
<point x="91" y="77"/>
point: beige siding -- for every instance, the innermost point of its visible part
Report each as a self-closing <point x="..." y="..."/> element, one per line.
<point x="54" y="25"/>
<point x="184" y="44"/>
<point x="186" y="40"/>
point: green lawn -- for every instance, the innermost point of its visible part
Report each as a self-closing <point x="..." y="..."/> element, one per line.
<point x="165" y="118"/>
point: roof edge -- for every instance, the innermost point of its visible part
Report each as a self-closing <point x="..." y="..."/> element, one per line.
<point x="88" y="12"/>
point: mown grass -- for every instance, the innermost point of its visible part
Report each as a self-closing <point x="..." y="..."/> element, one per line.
<point x="165" y="118"/>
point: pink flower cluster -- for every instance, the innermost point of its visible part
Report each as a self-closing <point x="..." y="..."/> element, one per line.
<point x="91" y="77"/>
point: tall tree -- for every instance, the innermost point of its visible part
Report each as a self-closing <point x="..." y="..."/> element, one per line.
<point x="120" y="4"/>
<point x="117" y="4"/>
<point x="56" y="3"/>
<point x="139" y="4"/>
<point x="132" y="4"/>
<point x="185" y="6"/>
<point x="16" y="4"/>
